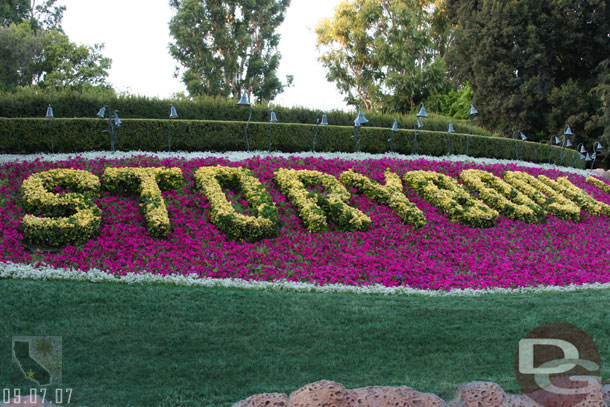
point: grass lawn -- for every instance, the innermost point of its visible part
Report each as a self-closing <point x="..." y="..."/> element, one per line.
<point x="174" y="346"/>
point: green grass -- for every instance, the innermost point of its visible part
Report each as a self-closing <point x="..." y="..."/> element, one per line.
<point x="173" y="346"/>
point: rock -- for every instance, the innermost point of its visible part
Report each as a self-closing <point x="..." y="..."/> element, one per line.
<point x="319" y="394"/>
<point x="518" y="401"/>
<point x="264" y="400"/>
<point x="326" y="393"/>
<point x="385" y="396"/>
<point x="479" y="394"/>
<point x="593" y="399"/>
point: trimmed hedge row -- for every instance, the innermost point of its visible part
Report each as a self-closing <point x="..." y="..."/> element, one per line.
<point x="80" y="135"/>
<point x="74" y="105"/>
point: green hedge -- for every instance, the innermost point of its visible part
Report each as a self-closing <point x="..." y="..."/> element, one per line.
<point x="70" y="104"/>
<point x="80" y="135"/>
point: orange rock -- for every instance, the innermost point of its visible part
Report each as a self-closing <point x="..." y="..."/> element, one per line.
<point x="319" y="394"/>
<point x="479" y="394"/>
<point x="264" y="400"/>
<point x="384" y="396"/>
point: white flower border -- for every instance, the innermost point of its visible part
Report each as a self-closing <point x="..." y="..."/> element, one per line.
<point x="29" y="272"/>
<point x="242" y="155"/>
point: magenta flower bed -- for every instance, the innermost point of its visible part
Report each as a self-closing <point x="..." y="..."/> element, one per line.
<point x="441" y="255"/>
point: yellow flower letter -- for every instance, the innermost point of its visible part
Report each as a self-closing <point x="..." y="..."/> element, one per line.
<point x="450" y="197"/>
<point x="501" y="196"/>
<point x="314" y="207"/>
<point x="543" y="195"/>
<point x="390" y="195"/>
<point x="265" y="222"/>
<point x="148" y="182"/>
<point x="579" y="196"/>
<point x="68" y="218"/>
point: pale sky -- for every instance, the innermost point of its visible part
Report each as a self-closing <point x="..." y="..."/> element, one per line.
<point x="136" y="37"/>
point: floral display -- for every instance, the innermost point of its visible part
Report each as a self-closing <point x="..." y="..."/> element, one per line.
<point x="148" y="183"/>
<point x="55" y="219"/>
<point x="465" y="242"/>
<point x="391" y="194"/>
<point x="265" y="220"/>
<point x="313" y="207"/>
<point x="501" y="196"/>
<point x="544" y="195"/>
<point x="452" y="198"/>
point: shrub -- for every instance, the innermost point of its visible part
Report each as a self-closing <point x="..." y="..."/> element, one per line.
<point x="80" y="135"/>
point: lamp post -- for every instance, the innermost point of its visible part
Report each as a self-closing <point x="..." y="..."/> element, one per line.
<point x="583" y="154"/>
<point x="324" y="122"/>
<point x="394" y="131"/>
<point x="245" y="102"/>
<point x="49" y="116"/>
<point x="597" y="147"/>
<point x="172" y="115"/>
<point x="566" y="142"/>
<point x="553" y="140"/>
<point x="471" y="115"/>
<point x="523" y="138"/>
<point x="419" y="125"/>
<point x="113" y="124"/>
<point x="359" y="121"/>
<point x="272" y="120"/>
<point x="450" y="130"/>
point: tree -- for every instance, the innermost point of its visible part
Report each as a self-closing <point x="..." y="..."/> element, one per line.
<point x="47" y="59"/>
<point x="381" y="54"/>
<point x="45" y="16"/>
<point x="228" y="45"/>
<point x="530" y="62"/>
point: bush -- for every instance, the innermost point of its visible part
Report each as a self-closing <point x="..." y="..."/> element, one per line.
<point x="80" y="135"/>
<point x="70" y="104"/>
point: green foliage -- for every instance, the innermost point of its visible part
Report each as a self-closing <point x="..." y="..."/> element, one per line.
<point x="228" y="46"/>
<point x="87" y="102"/>
<point x="48" y="59"/>
<point x="380" y="53"/>
<point x="530" y="62"/>
<point x="78" y="135"/>
<point x="45" y="16"/>
<point x="452" y="102"/>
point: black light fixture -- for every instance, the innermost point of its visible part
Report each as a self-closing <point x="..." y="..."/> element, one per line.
<point x="394" y="131"/>
<point x="472" y="113"/>
<point x="114" y="122"/>
<point x="566" y="142"/>
<point x="597" y="147"/>
<point x="450" y="131"/>
<point x="324" y="120"/>
<point x="246" y="103"/>
<point x="49" y="116"/>
<point x="172" y="115"/>
<point x="522" y="136"/>
<point x="582" y="151"/>
<point x="419" y="125"/>
<point x="272" y="120"/>
<point x="556" y="141"/>
<point x="319" y="123"/>
<point x="359" y="121"/>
